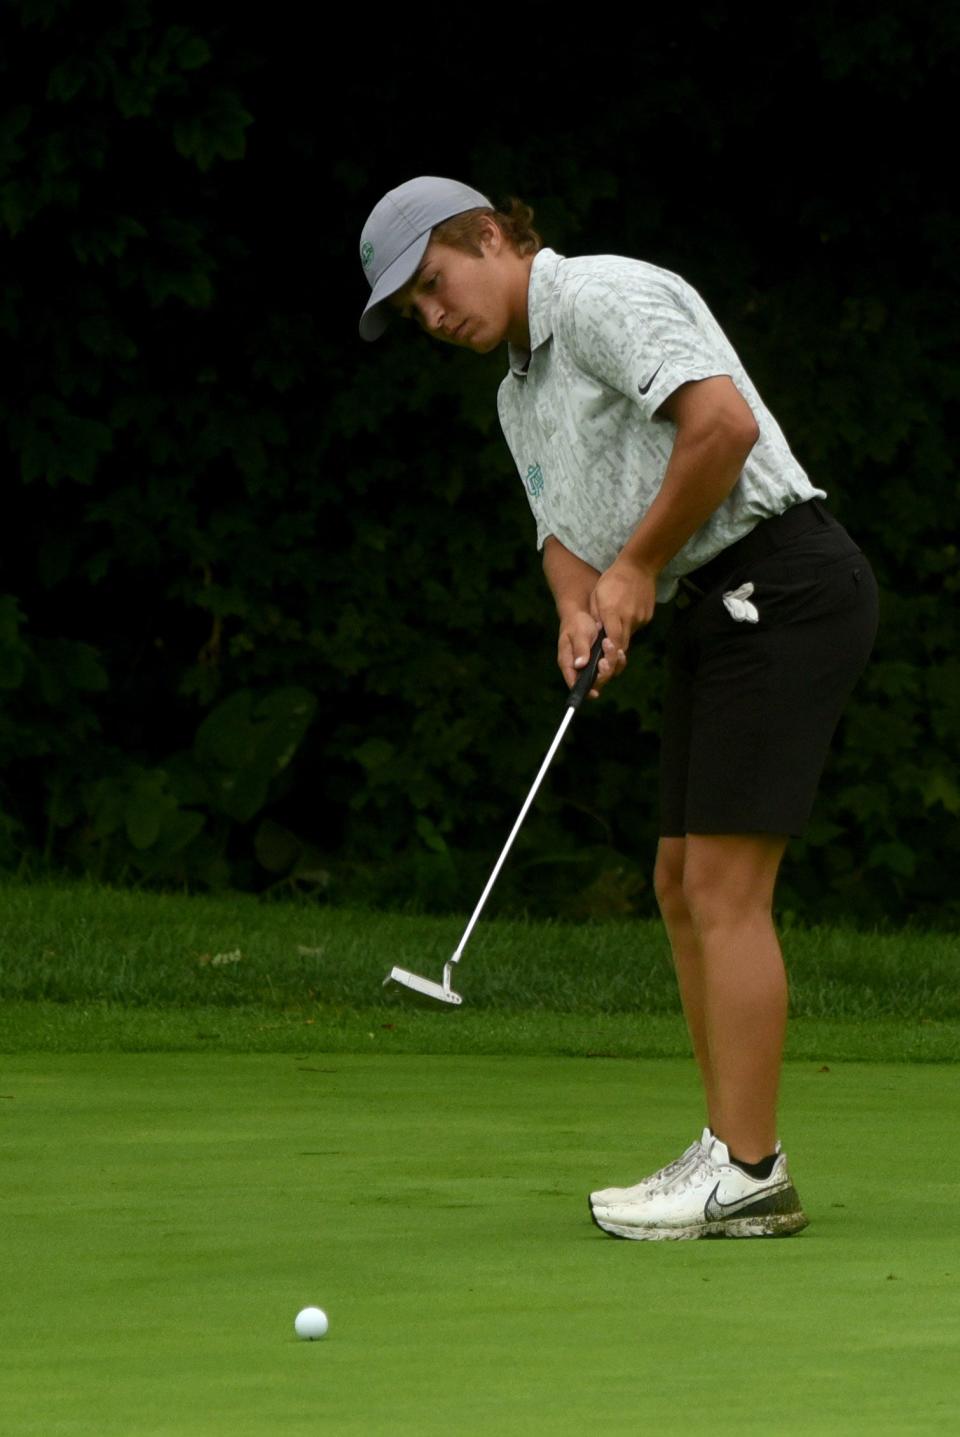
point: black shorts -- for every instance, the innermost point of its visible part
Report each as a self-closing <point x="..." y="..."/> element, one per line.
<point x="751" y="706"/>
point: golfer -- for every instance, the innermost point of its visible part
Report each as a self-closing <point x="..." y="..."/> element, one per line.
<point x="656" y="474"/>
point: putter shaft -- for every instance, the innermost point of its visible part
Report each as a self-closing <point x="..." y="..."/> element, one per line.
<point x="443" y="991"/>
<point x="565" y="724"/>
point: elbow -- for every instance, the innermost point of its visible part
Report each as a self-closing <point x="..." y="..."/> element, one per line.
<point x="729" y="430"/>
<point x="741" y="432"/>
<point x="751" y="433"/>
<point x="742" y="427"/>
<point x="737" y="423"/>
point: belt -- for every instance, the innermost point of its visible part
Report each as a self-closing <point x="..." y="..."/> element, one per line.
<point x="767" y="536"/>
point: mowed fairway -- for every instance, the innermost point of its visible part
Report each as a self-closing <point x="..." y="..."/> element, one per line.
<point x="166" y="1215"/>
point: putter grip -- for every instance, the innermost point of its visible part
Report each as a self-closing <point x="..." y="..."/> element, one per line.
<point x="585" y="682"/>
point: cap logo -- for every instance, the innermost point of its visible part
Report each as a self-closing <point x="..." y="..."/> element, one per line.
<point x="366" y="254"/>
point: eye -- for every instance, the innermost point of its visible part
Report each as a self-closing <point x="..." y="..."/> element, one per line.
<point x="431" y="282"/>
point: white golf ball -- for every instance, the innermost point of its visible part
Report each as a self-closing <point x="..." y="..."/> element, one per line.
<point x="311" y="1323"/>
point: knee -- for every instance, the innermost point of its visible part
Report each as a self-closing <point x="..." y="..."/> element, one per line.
<point x="720" y="890"/>
<point x="707" y="897"/>
<point x="668" y="880"/>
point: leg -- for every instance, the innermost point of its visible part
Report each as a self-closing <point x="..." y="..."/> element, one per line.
<point x="687" y="958"/>
<point x="716" y="897"/>
<point x="728" y="883"/>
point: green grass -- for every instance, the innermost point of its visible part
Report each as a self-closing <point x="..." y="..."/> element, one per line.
<point x="111" y="1028"/>
<point x="166" y="1216"/>
<point x="69" y="943"/>
<point x="214" y="1114"/>
<point x="84" y="968"/>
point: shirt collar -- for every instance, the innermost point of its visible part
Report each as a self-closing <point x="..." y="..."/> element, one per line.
<point x="540" y="294"/>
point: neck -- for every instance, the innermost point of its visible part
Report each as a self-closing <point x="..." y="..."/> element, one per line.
<point x="518" y="331"/>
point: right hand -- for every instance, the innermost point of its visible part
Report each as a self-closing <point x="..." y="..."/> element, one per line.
<point x="578" y="634"/>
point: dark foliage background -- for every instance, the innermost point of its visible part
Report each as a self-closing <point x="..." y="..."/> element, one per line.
<point x="270" y="613"/>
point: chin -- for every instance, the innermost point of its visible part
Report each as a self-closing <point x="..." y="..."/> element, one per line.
<point x="484" y="345"/>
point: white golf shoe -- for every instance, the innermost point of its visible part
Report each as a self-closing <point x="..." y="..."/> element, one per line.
<point x="708" y="1197"/>
<point x="646" y="1185"/>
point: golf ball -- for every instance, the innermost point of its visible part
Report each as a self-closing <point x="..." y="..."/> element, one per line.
<point x="311" y="1323"/>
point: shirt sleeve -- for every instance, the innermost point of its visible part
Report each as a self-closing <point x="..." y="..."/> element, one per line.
<point x="644" y="342"/>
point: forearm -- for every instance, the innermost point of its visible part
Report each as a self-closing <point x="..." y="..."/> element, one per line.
<point x="703" y="469"/>
<point x="571" y="580"/>
<point x="572" y="583"/>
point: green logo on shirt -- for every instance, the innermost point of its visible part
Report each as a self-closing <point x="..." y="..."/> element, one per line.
<point x="535" y="480"/>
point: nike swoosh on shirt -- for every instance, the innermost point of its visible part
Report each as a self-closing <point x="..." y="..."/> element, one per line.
<point x="643" y="388"/>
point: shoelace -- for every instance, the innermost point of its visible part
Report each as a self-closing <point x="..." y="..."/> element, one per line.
<point x="678" y="1164"/>
<point x="701" y="1169"/>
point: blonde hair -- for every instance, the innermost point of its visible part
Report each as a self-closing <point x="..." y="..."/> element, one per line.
<point x="463" y="231"/>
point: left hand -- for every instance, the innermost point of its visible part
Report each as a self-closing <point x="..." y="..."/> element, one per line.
<point x="623" y="601"/>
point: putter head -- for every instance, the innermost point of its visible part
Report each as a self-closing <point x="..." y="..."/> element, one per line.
<point x="441" y="991"/>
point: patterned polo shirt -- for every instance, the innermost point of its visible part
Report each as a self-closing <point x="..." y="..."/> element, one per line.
<point x="610" y="339"/>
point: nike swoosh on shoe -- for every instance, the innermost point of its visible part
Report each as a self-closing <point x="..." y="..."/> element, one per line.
<point x="762" y="1200"/>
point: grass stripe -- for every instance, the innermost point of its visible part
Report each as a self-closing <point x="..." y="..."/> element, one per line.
<point x="105" y="1027"/>
<point x="78" y="943"/>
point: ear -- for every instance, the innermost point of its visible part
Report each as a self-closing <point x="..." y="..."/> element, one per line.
<point x="490" y="236"/>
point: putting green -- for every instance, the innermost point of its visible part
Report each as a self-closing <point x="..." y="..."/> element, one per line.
<point x="166" y="1216"/>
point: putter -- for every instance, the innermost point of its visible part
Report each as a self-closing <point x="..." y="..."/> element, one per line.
<point x="443" y="991"/>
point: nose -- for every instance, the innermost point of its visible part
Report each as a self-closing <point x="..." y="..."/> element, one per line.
<point x="432" y="315"/>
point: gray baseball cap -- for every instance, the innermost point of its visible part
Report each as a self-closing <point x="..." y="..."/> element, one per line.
<point x="396" y="236"/>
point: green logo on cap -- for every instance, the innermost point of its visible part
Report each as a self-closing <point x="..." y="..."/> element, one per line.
<point x="366" y="255"/>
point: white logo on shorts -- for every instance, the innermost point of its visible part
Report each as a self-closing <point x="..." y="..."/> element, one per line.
<point x="736" y="603"/>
